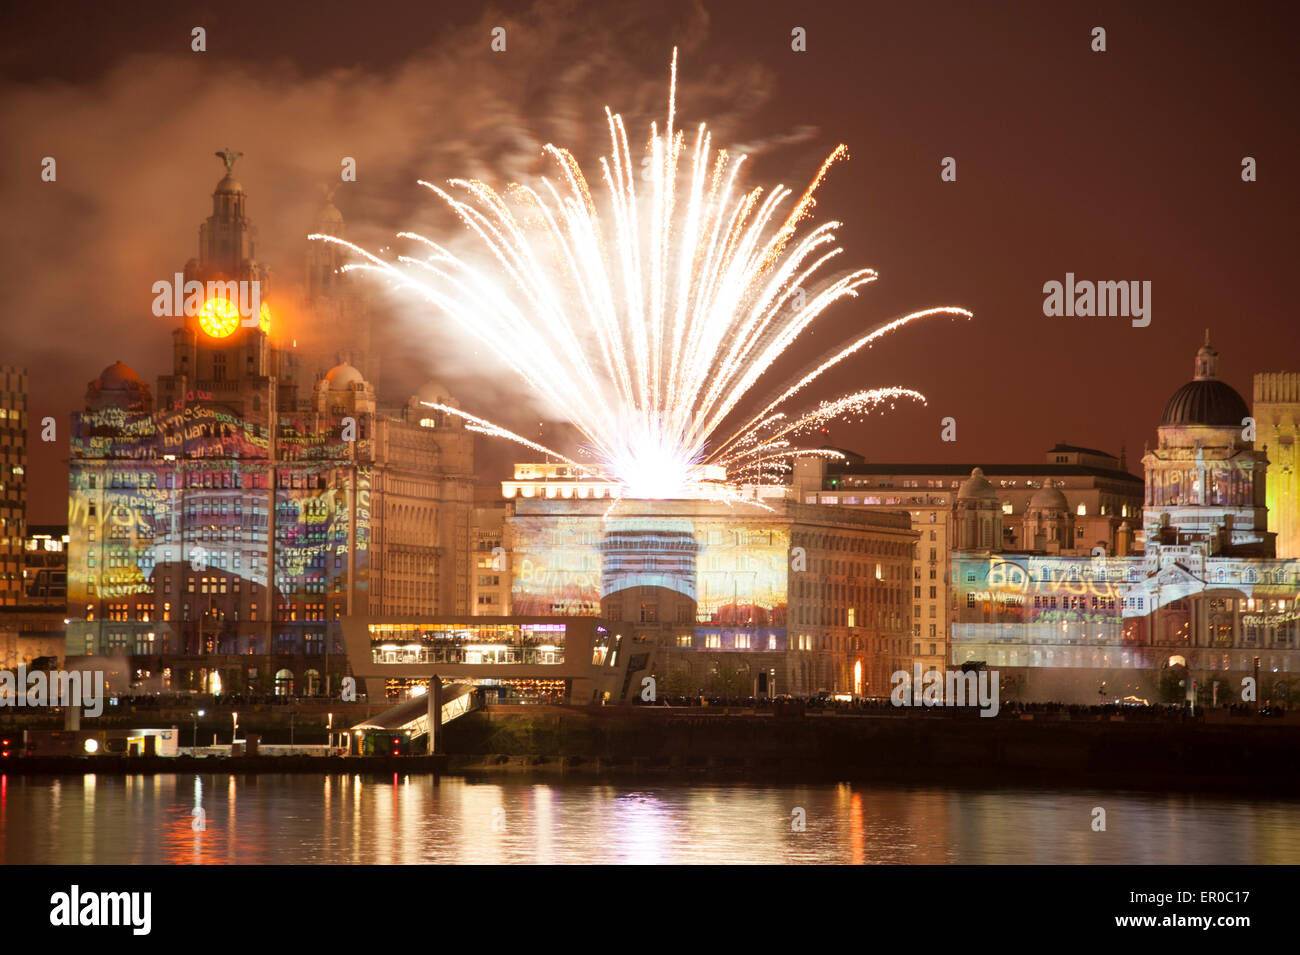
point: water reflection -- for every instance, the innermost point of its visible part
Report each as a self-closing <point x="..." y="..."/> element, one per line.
<point x="416" y="819"/>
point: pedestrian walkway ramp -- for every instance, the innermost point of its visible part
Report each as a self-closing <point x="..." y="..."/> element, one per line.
<point x="412" y="716"/>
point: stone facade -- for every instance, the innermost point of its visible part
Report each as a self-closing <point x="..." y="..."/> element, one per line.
<point x="217" y="536"/>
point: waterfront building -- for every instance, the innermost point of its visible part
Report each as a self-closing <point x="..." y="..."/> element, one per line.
<point x="1276" y="413"/>
<point x="32" y="631"/>
<point x="13" y="481"/>
<point x="1206" y="602"/>
<point x="515" y="659"/>
<point x="218" y="533"/>
<point x="338" y="306"/>
<point x="490" y="580"/>
<point x="1076" y="500"/>
<point x="45" y="565"/>
<point x="32" y="559"/>
<point x="763" y="596"/>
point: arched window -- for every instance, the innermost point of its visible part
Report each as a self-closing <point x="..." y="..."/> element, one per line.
<point x="284" y="683"/>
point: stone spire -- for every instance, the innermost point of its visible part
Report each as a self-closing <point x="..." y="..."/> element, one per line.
<point x="227" y="240"/>
<point x="325" y="259"/>
<point x="1207" y="360"/>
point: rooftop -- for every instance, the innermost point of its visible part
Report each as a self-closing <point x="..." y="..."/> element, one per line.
<point x="990" y="470"/>
<point x="1078" y="450"/>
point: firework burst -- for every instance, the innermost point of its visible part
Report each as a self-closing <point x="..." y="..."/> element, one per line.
<point x="651" y="317"/>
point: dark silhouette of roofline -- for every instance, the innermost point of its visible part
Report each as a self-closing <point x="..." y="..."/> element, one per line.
<point x="855" y="464"/>
<point x="1079" y="450"/>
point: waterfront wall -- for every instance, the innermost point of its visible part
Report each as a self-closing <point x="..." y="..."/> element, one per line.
<point x="952" y="748"/>
<point x="303" y="723"/>
<point x="1083" y="685"/>
<point x="107" y="765"/>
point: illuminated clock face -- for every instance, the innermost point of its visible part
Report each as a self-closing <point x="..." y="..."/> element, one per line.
<point x="219" y="318"/>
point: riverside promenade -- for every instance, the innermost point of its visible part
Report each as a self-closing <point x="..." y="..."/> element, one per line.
<point x="1145" y="748"/>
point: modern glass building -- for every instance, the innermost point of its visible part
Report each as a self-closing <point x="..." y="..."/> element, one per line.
<point x="576" y="660"/>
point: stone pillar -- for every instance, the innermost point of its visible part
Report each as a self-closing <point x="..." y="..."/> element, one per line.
<point x="435" y="714"/>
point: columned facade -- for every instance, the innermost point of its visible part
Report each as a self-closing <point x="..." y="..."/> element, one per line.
<point x="1277" y="433"/>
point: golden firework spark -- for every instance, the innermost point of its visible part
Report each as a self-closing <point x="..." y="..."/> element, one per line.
<point x="651" y="317"/>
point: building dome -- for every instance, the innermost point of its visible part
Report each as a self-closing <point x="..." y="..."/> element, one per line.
<point x="118" y="386"/>
<point x="118" y="376"/>
<point x="1205" y="401"/>
<point x="229" y="186"/>
<point x="977" y="487"/>
<point x="328" y="218"/>
<point x="342" y="376"/>
<point x="1048" y="498"/>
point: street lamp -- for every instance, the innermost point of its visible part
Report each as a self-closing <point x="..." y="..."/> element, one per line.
<point x="196" y="726"/>
<point x="234" y="728"/>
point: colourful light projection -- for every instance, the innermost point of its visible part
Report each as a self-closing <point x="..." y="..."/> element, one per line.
<point x="1115" y="612"/>
<point x="730" y="570"/>
<point x="169" y="517"/>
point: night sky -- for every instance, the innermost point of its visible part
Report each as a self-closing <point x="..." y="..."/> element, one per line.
<point x="1122" y="165"/>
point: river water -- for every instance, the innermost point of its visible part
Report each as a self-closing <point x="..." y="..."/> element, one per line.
<point x="416" y="819"/>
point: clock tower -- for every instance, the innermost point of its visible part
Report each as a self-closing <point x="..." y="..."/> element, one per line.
<point x="227" y="353"/>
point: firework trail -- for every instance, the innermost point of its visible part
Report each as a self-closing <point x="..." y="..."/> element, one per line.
<point x="651" y="317"/>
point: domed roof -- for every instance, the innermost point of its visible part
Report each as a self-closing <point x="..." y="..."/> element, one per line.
<point x="977" y="487"/>
<point x="1048" y="498"/>
<point x="118" y="386"/>
<point x="342" y="376"/>
<point x="229" y="186"/>
<point x="328" y="217"/>
<point x="118" y="375"/>
<point x="1205" y="400"/>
